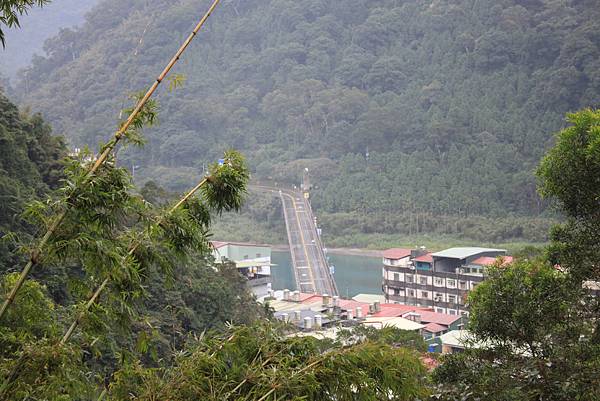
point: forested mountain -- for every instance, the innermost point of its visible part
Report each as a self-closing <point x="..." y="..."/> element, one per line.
<point x="37" y="26"/>
<point x="421" y="115"/>
<point x="29" y="165"/>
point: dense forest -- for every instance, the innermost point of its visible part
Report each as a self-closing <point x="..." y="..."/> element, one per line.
<point x="413" y="117"/>
<point x="29" y="167"/>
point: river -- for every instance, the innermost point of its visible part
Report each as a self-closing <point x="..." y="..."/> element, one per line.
<point x="353" y="274"/>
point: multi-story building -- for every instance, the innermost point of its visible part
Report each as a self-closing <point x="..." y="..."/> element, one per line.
<point x="253" y="261"/>
<point x="439" y="280"/>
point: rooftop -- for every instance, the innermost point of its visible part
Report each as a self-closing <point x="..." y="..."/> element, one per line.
<point x="398" y="322"/>
<point x="397" y="253"/>
<point x="220" y="244"/>
<point x="463" y="253"/>
<point x="488" y="261"/>
<point x="369" y="298"/>
<point x="393" y="310"/>
<point x="427" y="258"/>
<point x="439" y="318"/>
<point x="460" y="339"/>
<point x="435" y="328"/>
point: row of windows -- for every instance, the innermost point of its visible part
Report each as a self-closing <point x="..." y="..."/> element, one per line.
<point x="420" y="294"/>
<point x="437" y="281"/>
<point x="450" y="311"/>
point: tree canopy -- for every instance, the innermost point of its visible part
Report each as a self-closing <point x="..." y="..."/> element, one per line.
<point x="536" y="321"/>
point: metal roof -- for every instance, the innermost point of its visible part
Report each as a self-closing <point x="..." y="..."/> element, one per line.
<point x="369" y="298"/>
<point x="461" y="339"/>
<point x="463" y="253"/>
<point x="398" y="322"/>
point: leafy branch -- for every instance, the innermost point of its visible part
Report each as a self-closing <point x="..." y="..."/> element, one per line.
<point x="141" y="114"/>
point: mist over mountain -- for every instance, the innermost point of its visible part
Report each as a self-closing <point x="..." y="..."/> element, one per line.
<point x="37" y="26"/>
<point x="425" y="116"/>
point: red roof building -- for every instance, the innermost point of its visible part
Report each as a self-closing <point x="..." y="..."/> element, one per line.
<point x="427" y="258"/>
<point x="435" y="328"/>
<point x="397" y="253"/>
<point x="439" y="318"/>
<point x="397" y="310"/>
<point x="488" y="261"/>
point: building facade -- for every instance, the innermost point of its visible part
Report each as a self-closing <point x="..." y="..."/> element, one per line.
<point x="438" y="280"/>
<point x="253" y="261"/>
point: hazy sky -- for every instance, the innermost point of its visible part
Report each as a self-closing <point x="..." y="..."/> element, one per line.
<point x="39" y="25"/>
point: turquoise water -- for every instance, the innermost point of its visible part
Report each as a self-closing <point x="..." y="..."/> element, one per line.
<point x="353" y="274"/>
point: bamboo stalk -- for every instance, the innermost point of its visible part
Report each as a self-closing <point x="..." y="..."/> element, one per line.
<point x="132" y="249"/>
<point x="102" y="157"/>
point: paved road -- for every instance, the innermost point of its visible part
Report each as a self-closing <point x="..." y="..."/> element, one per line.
<point x="310" y="265"/>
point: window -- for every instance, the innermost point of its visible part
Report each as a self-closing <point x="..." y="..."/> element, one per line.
<point x="451" y="312"/>
<point x="423" y="280"/>
<point x="409" y="278"/>
<point x="438" y="282"/>
<point x="462" y="285"/>
<point x="396" y="291"/>
<point x="438" y="297"/>
<point x="451" y="283"/>
<point x="410" y="293"/>
<point x="258" y="255"/>
<point x="451" y="298"/>
<point x="424" y="294"/>
<point x="396" y="276"/>
<point x="464" y="313"/>
<point x="245" y="257"/>
<point x="440" y="310"/>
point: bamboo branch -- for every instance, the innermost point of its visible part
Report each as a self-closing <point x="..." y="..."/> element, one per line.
<point x="132" y="248"/>
<point x="102" y="157"/>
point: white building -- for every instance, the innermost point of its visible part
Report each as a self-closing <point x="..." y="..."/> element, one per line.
<point x="252" y="260"/>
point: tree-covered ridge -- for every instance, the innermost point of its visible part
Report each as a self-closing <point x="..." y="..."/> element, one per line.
<point x="453" y="100"/>
<point x="29" y="161"/>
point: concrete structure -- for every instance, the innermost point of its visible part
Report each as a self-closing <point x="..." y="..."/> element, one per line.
<point x="311" y="268"/>
<point x="252" y="260"/>
<point x="439" y="280"/>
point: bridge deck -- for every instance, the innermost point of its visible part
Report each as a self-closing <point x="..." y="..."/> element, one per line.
<point x="311" y="269"/>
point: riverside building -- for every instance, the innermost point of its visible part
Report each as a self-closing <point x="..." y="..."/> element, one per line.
<point x="253" y="261"/>
<point x="440" y="280"/>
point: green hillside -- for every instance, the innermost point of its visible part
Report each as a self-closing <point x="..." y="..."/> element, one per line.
<point x="453" y="101"/>
<point x="29" y="166"/>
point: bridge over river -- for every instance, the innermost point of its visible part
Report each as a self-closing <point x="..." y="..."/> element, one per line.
<point x="311" y="270"/>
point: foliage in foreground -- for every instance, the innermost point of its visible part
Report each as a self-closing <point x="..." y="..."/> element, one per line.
<point x="261" y="363"/>
<point x="11" y="10"/>
<point x="536" y="322"/>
